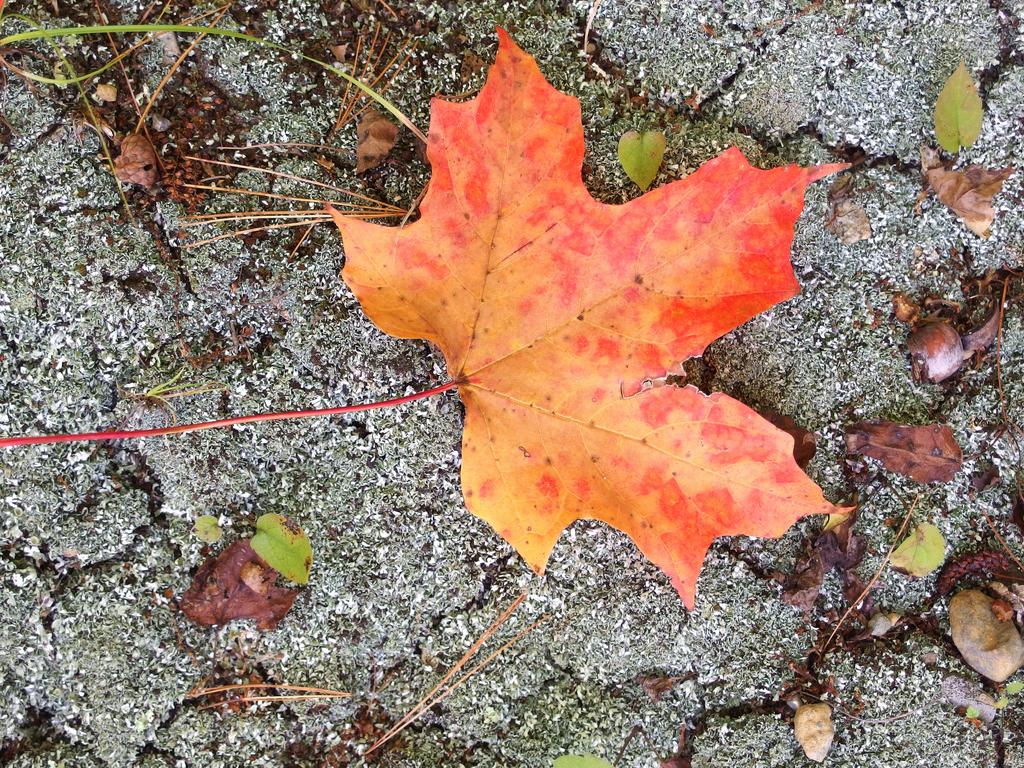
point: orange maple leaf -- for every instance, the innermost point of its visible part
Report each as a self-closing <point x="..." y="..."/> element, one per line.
<point x="551" y="309"/>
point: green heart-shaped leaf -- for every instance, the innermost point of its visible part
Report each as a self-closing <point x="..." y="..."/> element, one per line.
<point x="921" y="552"/>
<point x="640" y="155"/>
<point x="958" y="111"/>
<point x="284" y="547"/>
<point x="207" y="529"/>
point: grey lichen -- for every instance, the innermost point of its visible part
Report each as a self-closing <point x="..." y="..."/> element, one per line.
<point x="95" y="663"/>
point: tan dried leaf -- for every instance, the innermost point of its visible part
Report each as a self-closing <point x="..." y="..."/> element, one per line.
<point x="905" y="308"/>
<point x="106" y="92"/>
<point x="849" y="222"/>
<point x="137" y="162"/>
<point x="375" y="136"/>
<point x="967" y="193"/>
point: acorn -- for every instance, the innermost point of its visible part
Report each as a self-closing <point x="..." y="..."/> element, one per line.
<point x="936" y="352"/>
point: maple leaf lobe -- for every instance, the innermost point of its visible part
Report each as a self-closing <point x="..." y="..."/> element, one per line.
<point x="551" y="306"/>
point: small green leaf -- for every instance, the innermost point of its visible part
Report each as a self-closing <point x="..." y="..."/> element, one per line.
<point x="284" y="547"/>
<point x="1012" y="689"/>
<point x="207" y="529"/>
<point x="1001" y="703"/>
<point x="581" y="761"/>
<point x="921" y="552"/>
<point x="640" y="155"/>
<point x="973" y="713"/>
<point x="958" y="111"/>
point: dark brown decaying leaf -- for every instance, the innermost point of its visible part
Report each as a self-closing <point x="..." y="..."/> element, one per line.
<point x="967" y="193"/>
<point x="236" y="584"/>
<point x="838" y="548"/>
<point x="936" y="352"/>
<point x="927" y="454"/>
<point x="656" y="686"/>
<point x="805" y="443"/>
<point x="375" y="137"/>
<point x="1018" y="511"/>
<point x="984" y="480"/>
<point x="137" y="162"/>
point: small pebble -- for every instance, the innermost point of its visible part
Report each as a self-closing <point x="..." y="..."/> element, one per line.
<point x="813" y="729"/>
<point x="989" y="646"/>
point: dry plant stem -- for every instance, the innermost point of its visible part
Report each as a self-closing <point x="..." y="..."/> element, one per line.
<point x="205" y="218"/>
<point x="12" y="442"/>
<point x="302" y="239"/>
<point x="491" y="657"/>
<point x="41" y="34"/>
<point x="278" y="145"/>
<point x="95" y="122"/>
<point x="426" y="702"/>
<point x="349" y="108"/>
<point x="389" y="8"/>
<point x="388" y="83"/>
<point x="197" y="692"/>
<point x="1002" y="541"/>
<point x="864" y="593"/>
<point x="286" y="176"/>
<point x="279" y="196"/>
<point x="999" y="349"/>
<point x="414" y="714"/>
<point x="245" y="698"/>
<point x="251" y="230"/>
<point x="415" y="205"/>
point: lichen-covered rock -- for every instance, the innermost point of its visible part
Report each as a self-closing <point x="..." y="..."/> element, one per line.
<point x="992" y="647"/>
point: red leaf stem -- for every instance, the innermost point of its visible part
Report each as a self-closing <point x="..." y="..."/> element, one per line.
<point x="12" y="442"/>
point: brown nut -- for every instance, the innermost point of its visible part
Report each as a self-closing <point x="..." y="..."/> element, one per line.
<point x="936" y="352"/>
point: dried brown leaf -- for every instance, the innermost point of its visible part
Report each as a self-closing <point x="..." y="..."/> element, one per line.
<point x="967" y="193"/>
<point x="849" y="222"/>
<point x="137" y="162"/>
<point x="838" y="548"/>
<point x="1002" y="610"/>
<point x="375" y="136"/>
<point x="656" y="686"/>
<point x="984" y="480"/>
<point x="926" y="454"/>
<point x="223" y="590"/>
